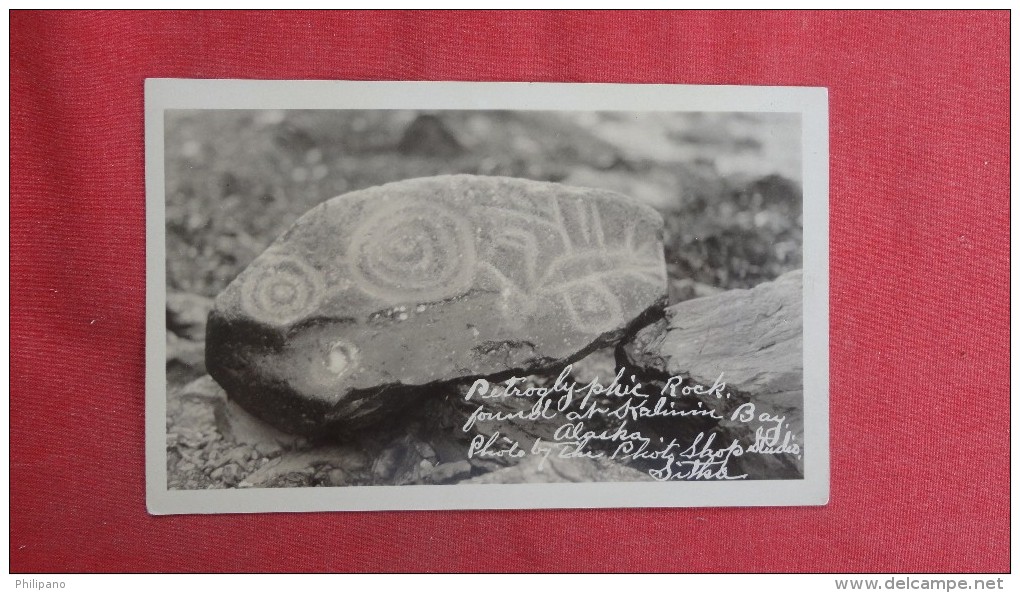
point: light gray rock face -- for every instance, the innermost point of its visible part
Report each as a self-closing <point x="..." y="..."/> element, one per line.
<point x="373" y="297"/>
<point x="755" y="339"/>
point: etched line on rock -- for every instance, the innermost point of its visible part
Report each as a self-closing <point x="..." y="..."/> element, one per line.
<point x="413" y="251"/>
<point x="586" y="261"/>
<point x="592" y="307"/>
<point x="561" y="224"/>
<point x="497" y="212"/>
<point x="582" y="217"/>
<point x="527" y="244"/>
<point x="600" y="236"/>
<point x="282" y="289"/>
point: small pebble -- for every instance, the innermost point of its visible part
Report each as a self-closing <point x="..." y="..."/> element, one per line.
<point x="231" y="474"/>
<point x="268" y="448"/>
<point x="425" y="450"/>
<point x="336" y="477"/>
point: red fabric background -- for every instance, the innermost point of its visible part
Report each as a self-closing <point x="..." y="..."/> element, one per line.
<point x="919" y="287"/>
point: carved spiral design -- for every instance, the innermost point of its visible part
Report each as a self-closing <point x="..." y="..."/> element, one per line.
<point x="282" y="290"/>
<point x="593" y="308"/>
<point x="414" y="251"/>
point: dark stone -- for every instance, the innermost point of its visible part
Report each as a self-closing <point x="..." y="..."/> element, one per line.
<point x="378" y="296"/>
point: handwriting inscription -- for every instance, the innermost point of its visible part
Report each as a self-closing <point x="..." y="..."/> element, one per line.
<point x="599" y="420"/>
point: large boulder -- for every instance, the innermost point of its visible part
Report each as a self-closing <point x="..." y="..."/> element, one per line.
<point x="752" y="338"/>
<point x="373" y="297"/>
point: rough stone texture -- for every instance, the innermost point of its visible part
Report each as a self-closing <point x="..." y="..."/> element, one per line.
<point x="374" y="296"/>
<point x="754" y="337"/>
<point x="554" y="469"/>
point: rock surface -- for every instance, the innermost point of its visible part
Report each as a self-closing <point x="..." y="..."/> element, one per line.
<point x="755" y="339"/>
<point x="376" y="296"/>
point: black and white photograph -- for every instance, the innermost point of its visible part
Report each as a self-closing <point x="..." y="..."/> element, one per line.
<point x="467" y="297"/>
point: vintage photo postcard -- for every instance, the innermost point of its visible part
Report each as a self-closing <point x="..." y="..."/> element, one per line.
<point x="404" y="295"/>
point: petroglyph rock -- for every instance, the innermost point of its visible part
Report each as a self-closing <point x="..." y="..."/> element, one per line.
<point x="378" y="295"/>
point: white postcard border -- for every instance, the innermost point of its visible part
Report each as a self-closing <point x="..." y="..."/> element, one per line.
<point x="811" y="103"/>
